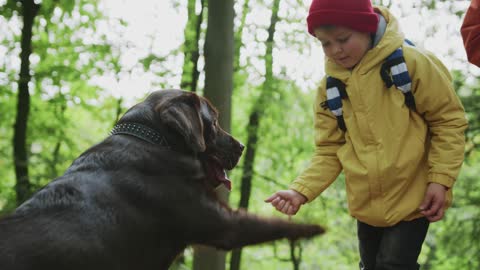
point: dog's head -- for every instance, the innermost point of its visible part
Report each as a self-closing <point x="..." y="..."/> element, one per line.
<point x="195" y="121"/>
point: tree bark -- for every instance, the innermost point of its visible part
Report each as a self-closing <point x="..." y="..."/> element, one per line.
<point x="254" y="124"/>
<point x="20" y="152"/>
<point x="296" y="259"/>
<point x="218" y="89"/>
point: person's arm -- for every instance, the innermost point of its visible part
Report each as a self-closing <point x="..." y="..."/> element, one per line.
<point x="439" y="105"/>
<point x="324" y="166"/>
<point x="443" y="112"/>
<point x="471" y="32"/>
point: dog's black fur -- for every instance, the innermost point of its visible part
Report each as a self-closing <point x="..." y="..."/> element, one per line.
<point x="126" y="203"/>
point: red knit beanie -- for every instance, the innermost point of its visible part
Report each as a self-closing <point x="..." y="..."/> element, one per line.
<point x="355" y="14"/>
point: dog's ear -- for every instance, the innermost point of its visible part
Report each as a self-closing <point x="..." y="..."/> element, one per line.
<point x="182" y="113"/>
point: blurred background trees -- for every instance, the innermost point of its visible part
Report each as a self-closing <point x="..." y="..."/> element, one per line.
<point x="62" y="64"/>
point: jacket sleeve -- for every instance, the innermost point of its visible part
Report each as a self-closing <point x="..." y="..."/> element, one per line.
<point x="471" y="32"/>
<point x="324" y="166"/>
<point x="441" y="108"/>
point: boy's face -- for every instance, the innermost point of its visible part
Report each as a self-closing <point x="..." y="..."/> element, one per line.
<point x="346" y="47"/>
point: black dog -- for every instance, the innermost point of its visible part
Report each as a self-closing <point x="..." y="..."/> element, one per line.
<point x="137" y="199"/>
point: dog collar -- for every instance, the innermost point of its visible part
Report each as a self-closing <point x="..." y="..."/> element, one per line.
<point x="140" y="131"/>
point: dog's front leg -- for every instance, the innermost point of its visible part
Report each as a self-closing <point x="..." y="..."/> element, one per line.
<point x="234" y="229"/>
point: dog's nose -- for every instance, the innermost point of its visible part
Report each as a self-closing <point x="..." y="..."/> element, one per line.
<point x="241" y="146"/>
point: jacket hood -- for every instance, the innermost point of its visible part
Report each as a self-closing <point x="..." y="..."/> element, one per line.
<point x="392" y="39"/>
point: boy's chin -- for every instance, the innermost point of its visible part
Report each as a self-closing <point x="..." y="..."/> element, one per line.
<point x="347" y="65"/>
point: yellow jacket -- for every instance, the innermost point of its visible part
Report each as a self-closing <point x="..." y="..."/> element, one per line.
<point x="388" y="153"/>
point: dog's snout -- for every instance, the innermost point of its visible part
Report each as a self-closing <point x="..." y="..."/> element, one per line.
<point x="241" y="146"/>
<point x="238" y="146"/>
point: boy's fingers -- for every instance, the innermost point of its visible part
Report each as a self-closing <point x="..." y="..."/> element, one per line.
<point x="436" y="212"/>
<point x="434" y="218"/>
<point x="286" y="207"/>
<point x="283" y="204"/>
<point x="289" y="210"/>
<point x="280" y="205"/>
<point x="293" y="210"/>
<point x="438" y="216"/>
<point x="435" y="205"/>
<point x="275" y="201"/>
<point x="270" y="199"/>
<point x="426" y="203"/>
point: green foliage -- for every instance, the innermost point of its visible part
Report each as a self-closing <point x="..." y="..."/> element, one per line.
<point x="67" y="113"/>
<point x="470" y="96"/>
<point x="10" y="8"/>
<point x="452" y="244"/>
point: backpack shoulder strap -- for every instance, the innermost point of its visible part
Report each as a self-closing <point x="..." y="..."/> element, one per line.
<point x="335" y="93"/>
<point x="394" y="72"/>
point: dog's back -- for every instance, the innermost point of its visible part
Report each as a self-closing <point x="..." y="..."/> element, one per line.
<point x="114" y="208"/>
<point x="58" y="226"/>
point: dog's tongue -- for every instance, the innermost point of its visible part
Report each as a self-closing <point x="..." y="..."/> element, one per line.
<point x="216" y="172"/>
<point x="222" y="177"/>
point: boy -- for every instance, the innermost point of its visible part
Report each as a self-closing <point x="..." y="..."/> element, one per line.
<point x="387" y="115"/>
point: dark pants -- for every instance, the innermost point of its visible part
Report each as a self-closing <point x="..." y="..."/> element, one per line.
<point x="391" y="248"/>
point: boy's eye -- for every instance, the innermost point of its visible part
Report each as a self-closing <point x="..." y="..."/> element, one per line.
<point x="325" y="44"/>
<point x="343" y="40"/>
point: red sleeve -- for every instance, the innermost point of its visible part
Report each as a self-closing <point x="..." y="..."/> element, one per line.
<point x="471" y="32"/>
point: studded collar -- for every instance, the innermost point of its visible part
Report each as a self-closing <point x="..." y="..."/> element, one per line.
<point x="140" y="131"/>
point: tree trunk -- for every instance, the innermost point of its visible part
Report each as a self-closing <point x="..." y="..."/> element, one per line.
<point x="20" y="152"/>
<point x="219" y="58"/>
<point x="118" y="111"/>
<point x="296" y="259"/>
<point x="53" y="172"/>
<point x="218" y="89"/>
<point x="253" y="126"/>
<point x="191" y="48"/>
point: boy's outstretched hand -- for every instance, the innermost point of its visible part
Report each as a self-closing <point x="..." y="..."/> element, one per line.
<point x="433" y="205"/>
<point x="287" y="201"/>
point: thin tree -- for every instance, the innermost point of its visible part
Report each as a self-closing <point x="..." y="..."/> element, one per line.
<point x="191" y="48"/>
<point x="238" y="36"/>
<point x="254" y="124"/>
<point x="218" y="52"/>
<point x="20" y="152"/>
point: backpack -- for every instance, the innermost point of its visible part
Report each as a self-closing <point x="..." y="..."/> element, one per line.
<point x="393" y="72"/>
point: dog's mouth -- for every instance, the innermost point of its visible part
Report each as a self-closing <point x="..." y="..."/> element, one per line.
<point x="217" y="174"/>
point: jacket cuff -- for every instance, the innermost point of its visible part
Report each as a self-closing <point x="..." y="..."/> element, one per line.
<point x="441" y="179"/>
<point x="305" y="191"/>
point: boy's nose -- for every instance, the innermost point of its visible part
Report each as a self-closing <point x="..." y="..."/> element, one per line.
<point x="338" y="49"/>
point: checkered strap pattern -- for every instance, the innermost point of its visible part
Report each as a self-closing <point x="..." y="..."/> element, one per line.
<point x="394" y="72"/>
<point x="336" y="91"/>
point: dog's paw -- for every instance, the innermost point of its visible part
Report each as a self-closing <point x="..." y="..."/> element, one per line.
<point x="306" y="231"/>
